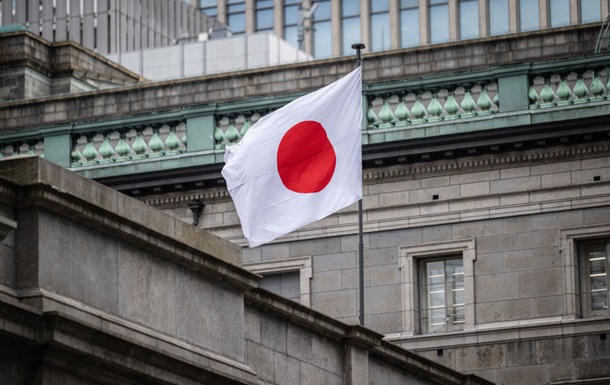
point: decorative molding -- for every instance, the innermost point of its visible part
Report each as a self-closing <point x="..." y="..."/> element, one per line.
<point x="554" y="153"/>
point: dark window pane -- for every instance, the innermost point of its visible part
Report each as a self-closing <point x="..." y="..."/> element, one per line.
<point x="264" y="19"/>
<point x="469" y="19"/>
<point x="560" y="12"/>
<point x="409" y="3"/>
<point x="236" y="8"/>
<point x="323" y="11"/>
<point x="409" y="27"/>
<point x="529" y="15"/>
<point x="498" y="17"/>
<point x="350" y="35"/>
<point x="380" y="32"/>
<point x="379" y="6"/>
<point x="589" y="10"/>
<point x="237" y="23"/>
<point x="264" y="4"/>
<point x="439" y="23"/>
<point x="350" y="8"/>
<point x="291" y="14"/>
<point x="322" y="40"/>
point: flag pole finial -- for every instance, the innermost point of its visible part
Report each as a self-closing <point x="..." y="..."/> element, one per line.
<point x="358" y="47"/>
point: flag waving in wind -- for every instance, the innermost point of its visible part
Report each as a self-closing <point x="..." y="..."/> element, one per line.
<point x="300" y="163"/>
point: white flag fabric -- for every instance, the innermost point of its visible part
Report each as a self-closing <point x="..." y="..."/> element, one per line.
<point x="300" y="163"/>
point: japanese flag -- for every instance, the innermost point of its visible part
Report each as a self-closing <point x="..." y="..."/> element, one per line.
<point x="300" y="163"/>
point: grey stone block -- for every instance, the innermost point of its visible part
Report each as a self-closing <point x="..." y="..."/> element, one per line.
<point x="386" y="322"/>
<point x="518" y="260"/>
<point x="437" y="233"/>
<point x="520" y="309"/>
<point x="327" y="355"/>
<point x="286" y="369"/>
<point x="556" y="220"/>
<point x="540" y="283"/>
<point x="477" y="229"/>
<point x="335" y="262"/>
<point x="341" y="303"/>
<point x="324" y="281"/>
<point x="88" y="258"/>
<point x="382" y="299"/>
<point x="546" y="257"/>
<point x="273" y="334"/>
<point x="497" y="287"/>
<point x="523" y="375"/>
<point x="384" y="275"/>
<point x="147" y="290"/>
<point x="549" y="306"/>
<point x="481" y="357"/>
<point x="489" y="264"/>
<point x="315" y="247"/>
<point x="299" y="343"/>
<point x="213" y="318"/>
<point x="394" y="238"/>
<point x="260" y="359"/>
<point x="311" y="375"/>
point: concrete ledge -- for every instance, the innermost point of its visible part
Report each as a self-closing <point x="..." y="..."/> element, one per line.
<point x="48" y="185"/>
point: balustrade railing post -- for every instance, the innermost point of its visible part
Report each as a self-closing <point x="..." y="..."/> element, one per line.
<point x="513" y="92"/>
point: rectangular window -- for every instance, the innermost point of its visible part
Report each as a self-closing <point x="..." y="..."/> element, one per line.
<point x="264" y="15"/>
<point x="594" y="261"/>
<point x="236" y="16"/>
<point x="442" y="295"/>
<point x="439" y="21"/>
<point x="409" y="23"/>
<point x="380" y="25"/>
<point x="498" y="17"/>
<point x="590" y="10"/>
<point x="209" y="7"/>
<point x="529" y="15"/>
<point x="292" y="8"/>
<point x="560" y="12"/>
<point x="285" y="284"/>
<point x="350" y="25"/>
<point x="469" y="19"/>
<point x="322" y="32"/>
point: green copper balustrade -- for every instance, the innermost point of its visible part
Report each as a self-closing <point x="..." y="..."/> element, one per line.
<point x="30" y="147"/>
<point x="231" y="127"/>
<point x="127" y="144"/>
<point x="419" y="106"/>
<point x="569" y="87"/>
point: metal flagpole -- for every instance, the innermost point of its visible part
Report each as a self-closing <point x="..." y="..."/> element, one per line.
<point x="358" y="47"/>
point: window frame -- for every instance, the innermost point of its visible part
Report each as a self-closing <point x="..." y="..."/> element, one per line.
<point x="301" y="264"/>
<point x="410" y="258"/>
<point x="570" y="240"/>
<point x="425" y="291"/>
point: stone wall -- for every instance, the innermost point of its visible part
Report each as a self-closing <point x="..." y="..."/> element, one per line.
<point x="512" y="206"/>
<point x="98" y="288"/>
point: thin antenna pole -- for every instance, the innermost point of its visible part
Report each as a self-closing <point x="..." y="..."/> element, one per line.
<point x="358" y="47"/>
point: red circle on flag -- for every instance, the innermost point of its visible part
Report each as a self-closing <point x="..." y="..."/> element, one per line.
<point x="305" y="158"/>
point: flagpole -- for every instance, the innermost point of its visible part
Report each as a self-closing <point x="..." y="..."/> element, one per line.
<point x="358" y="47"/>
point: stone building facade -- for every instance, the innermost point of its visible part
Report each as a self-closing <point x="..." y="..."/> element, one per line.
<point x="486" y="169"/>
<point x="99" y="288"/>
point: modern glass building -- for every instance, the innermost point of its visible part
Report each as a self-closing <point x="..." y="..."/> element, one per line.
<point x="334" y="25"/>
